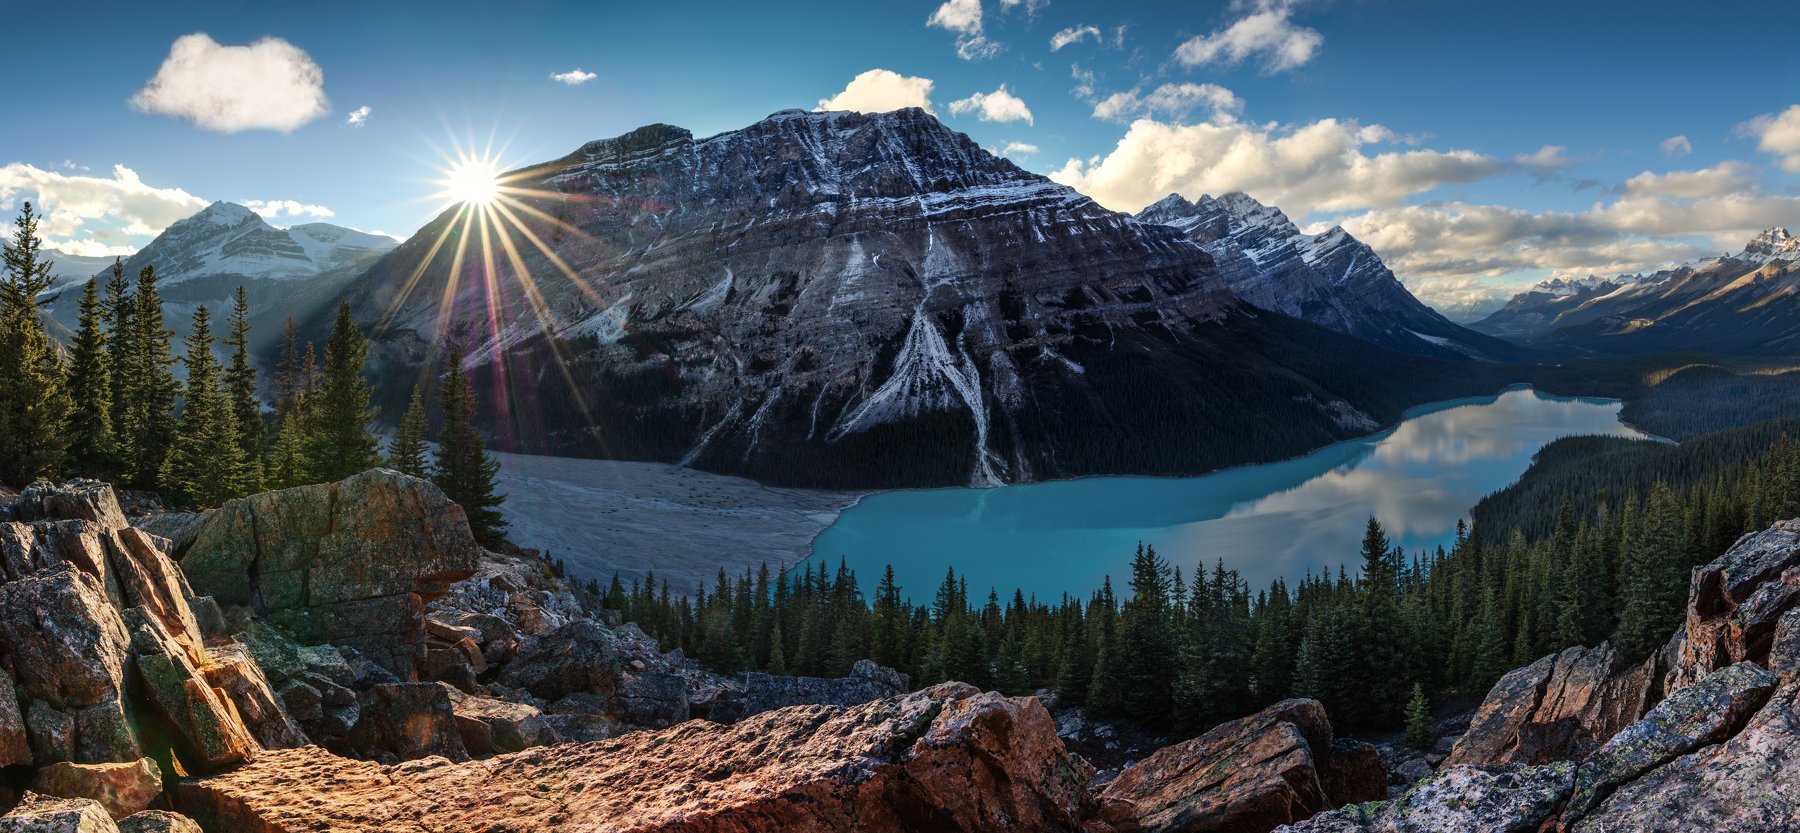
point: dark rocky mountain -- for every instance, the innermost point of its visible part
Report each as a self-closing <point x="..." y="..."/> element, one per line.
<point x="851" y="300"/>
<point x="202" y="260"/>
<point x="1746" y="303"/>
<point x="1331" y="279"/>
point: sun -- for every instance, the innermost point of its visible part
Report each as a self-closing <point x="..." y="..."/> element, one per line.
<point x="471" y="180"/>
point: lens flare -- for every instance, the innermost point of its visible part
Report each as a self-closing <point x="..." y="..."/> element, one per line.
<point x="471" y="180"/>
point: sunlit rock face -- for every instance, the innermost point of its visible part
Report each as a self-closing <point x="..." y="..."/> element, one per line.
<point x="1331" y="278"/>
<point x="843" y="299"/>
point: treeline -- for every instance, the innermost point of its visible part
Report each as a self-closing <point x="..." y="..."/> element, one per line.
<point x="1587" y="471"/>
<point x="1703" y="398"/>
<point x="109" y="406"/>
<point x="1180" y="653"/>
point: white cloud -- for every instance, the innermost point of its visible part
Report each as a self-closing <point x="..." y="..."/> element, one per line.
<point x="881" y="90"/>
<point x="1266" y="32"/>
<point x="268" y="85"/>
<point x="1320" y="166"/>
<point x="963" y="17"/>
<point x="998" y="105"/>
<point x="1546" y="158"/>
<point x="1650" y="227"/>
<point x="359" y="116"/>
<point x="1018" y="149"/>
<point x="1073" y="34"/>
<point x="1174" y="101"/>
<point x="95" y="215"/>
<point x="1777" y="134"/>
<point x="1726" y="178"/>
<point x="1031" y="6"/>
<point x="273" y="209"/>
<point x="1676" y="146"/>
<point x="573" y="77"/>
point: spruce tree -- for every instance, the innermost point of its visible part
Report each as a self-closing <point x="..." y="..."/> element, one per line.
<point x="1380" y="677"/>
<point x="464" y="469"/>
<point x="246" y="408"/>
<point x="1419" y="734"/>
<point x="1146" y="648"/>
<point x="33" y="400"/>
<point x="406" y="451"/>
<point x="92" y="452"/>
<point x="150" y="411"/>
<point x="121" y="352"/>
<point x="339" y="443"/>
<point x="205" y="460"/>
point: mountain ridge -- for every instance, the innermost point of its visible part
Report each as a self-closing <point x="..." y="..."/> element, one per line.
<point x="1743" y="303"/>
<point x="875" y="290"/>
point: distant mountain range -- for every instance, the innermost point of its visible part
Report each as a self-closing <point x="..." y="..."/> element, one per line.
<point x="1735" y="304"/>
<point x="1331" y="279"/>
<point x="845" y="299"/>
<point x="203" y="259"/>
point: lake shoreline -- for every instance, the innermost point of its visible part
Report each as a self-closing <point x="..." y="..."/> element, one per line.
<point x="1268" y="519"/>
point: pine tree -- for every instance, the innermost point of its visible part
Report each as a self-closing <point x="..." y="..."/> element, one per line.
<point x="1146" y="647"/>
<point x="33" y="400"/>
<point x="1380" y="676"/>
<point x="339" y="443"/>
<point x="92" y="452"/>
<point x="1419" y="734"/>
<point x="121" y="351"/>
<point x="246" y="409"/>
<point x="150" y="411"/>
<point x="464" y="469"/>
<point x="406" y="451"/>
<point x="206" y="460"/>
<point x="290" y="377"/>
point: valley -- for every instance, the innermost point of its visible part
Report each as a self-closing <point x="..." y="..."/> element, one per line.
<point x="1252" y="417"/>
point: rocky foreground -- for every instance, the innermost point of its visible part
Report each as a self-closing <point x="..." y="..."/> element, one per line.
<point x="344" y="657"/>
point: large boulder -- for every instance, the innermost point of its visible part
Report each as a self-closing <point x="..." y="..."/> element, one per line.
<point x="1736" y="604"/>
<point x="1559" y="708"/>
<point x="949" y="758"/>
<point x="1704" y="713"/>
<point x="45" y="814"/>
<point x="208" y="731"/>
<point x="349" y="563"/>
<point x="403" y="721"/>
<point x="1459" y="799"/>
<point x="1248" y="774"/>
<point x="489" y="726"/>
<point x="69" y="651"/>
<point x="577" y="658"/>
<point x="1749" y="782"/>
<point x="122" y="789"/>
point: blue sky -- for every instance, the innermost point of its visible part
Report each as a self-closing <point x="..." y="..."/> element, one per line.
<point x="1475" y="145"/>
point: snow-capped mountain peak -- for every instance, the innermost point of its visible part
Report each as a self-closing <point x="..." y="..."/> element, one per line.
<point x="1330" y="278"/>
<point x="1772" y="244"/>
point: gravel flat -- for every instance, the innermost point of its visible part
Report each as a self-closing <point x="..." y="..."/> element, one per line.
<point x="607" y="516"/>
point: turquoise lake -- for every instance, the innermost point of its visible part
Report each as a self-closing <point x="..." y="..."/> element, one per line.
<point x="1279" y="519"/>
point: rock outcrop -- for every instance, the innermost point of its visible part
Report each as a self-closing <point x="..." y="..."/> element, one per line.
<point x="1558" y="708"/>
<point x="351" y="563"/>
<point x="1458" y="799"/>
<point x="1736" y="606"/>
<point x="948" y="758"/>
<point x="108" y="661"/>
<point x="1719" y="751"/>
<point x="1248" y="774"/>
<point x="122" y="789"/>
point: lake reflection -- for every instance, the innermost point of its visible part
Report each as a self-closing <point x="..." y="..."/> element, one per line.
<point x="1280" y="519"/>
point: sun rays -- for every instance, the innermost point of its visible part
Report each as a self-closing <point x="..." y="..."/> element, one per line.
<point x="491" y="248"/>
